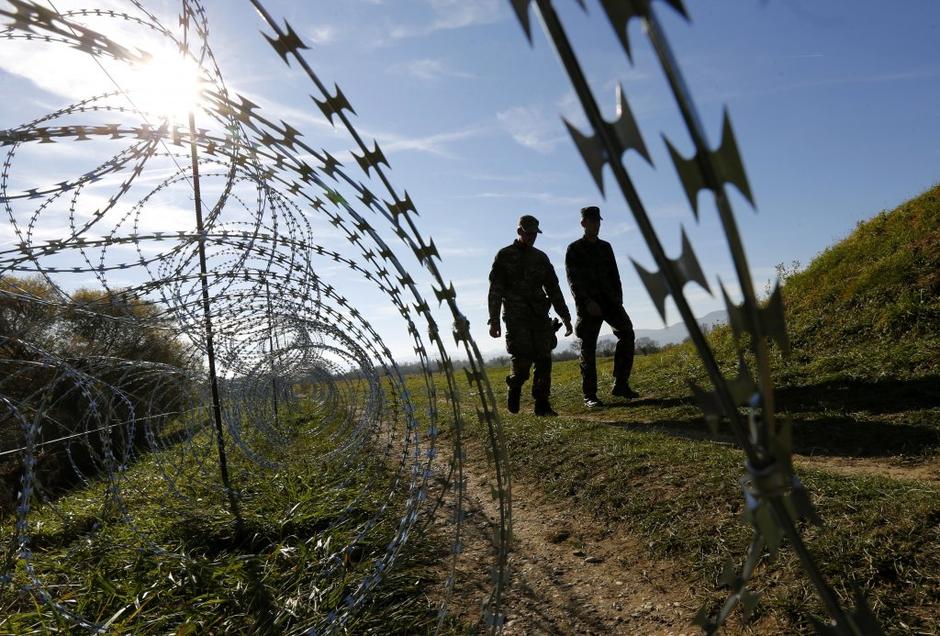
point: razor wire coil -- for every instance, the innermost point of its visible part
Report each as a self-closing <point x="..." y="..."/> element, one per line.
<point x="278" y="322"/>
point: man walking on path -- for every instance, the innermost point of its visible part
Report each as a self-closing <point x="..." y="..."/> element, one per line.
<point x="595" y="284"/>
<point x="524" y="283"/>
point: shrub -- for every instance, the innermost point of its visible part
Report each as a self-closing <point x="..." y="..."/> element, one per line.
<point x="83" y="361"/>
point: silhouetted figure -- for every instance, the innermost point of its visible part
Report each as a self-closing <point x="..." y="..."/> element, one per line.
<point x="524" y="284"/>
<point x="595" y="284"/>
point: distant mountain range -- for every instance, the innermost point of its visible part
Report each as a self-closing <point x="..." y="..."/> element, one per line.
<point x="672" y="334"/>
<point x="677" y="332"/>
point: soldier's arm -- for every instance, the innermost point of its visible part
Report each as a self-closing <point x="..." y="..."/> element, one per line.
<point x="575" y="274"/>
<point x="554" y="293"/>
<point x="615" y="276"/>
<point x="497" y="290"/>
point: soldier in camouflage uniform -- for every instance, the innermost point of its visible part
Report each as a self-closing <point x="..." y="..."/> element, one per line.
<point x="524" y="283"/>
<point x="595" y="284"/>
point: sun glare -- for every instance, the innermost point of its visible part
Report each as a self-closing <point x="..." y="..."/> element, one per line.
<point x="167" y="87"/>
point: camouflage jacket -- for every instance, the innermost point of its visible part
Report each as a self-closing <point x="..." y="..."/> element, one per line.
<point x="592" y="274"/>
<point x="524" y="283"/>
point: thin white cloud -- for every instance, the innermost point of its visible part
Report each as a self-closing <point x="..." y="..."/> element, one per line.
<point x="323" y="34"/>
<point x="625" y="79"/>
<point x="675" y="210"/>
<point x="522" y="177"/>
<point x="452" y="242"/>
<point x="273" y="109"/>
<point x="449" y="15"/>
<point x="545" y="198"/>
<point x="618" y="229"/>
<point x="530" y="127"/>
<point x="434" y="144"/>
<point x="389" y="142"/>
<point x="569" y="107"/>
<point x="156" y="217"/>
<point x="455" y="252"/>
<point x="457" y="14"/>
<point x="468" y="283"/>
<point x="56" y="70"/>
<point x="880" y="78"/>
<point x="59" y="69"/>
<point x="429" y="69"/>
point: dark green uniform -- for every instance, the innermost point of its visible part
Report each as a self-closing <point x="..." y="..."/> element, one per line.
<point x="593" y="276"/>
<point x="524" y="284"/>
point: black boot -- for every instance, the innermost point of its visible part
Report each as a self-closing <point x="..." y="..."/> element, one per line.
<point x="512" y="398"/>
<point x="622" y="389"/>
<point x="543" y="408"/>
<point x="592" y="402"/>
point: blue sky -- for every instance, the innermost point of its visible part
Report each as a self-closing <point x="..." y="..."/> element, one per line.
<point x="834" y="106"/>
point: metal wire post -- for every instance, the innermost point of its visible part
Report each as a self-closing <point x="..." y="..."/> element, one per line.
<point x="203" y="278"/>
<point x="271" y="344"/>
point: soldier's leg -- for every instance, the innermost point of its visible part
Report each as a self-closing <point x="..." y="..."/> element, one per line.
<point x="518" y="371"/>
<point x="518" y="343"/>
<point x="618" y="319"/>
<point x="543" y="341"/>
<point x="542" y="377"/>
<point x="542" y="385"/>
<point x="587" y="329"/>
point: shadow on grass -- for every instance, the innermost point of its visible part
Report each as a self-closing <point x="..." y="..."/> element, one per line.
<point x="247" y="543"/>
<point x="663" y="403"/>
<point x="846" y="436"/>
<point x="841" y="436"/>
<point x="831" y="418"/>
<point x="886" y="396"/>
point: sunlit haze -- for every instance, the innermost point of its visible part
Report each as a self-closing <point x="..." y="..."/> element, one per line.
<point x="166" y="86"/>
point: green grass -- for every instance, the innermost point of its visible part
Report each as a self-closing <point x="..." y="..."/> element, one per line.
<point x="651" y="468"/>
<point x="869" y="306"/>
<point x="189" y="568"/>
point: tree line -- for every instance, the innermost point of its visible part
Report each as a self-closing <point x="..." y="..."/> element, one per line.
<point x="79" y="366"/>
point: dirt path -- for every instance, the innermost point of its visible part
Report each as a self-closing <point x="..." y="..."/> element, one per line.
<point x="901" y="468"/>
<point x="569" y="574"/>
<point x="572" y="575"/>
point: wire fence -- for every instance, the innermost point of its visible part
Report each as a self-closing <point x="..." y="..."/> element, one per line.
<point x="123" y="338"/>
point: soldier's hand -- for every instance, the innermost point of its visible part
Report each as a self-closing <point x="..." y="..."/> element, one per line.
<point x="495" y="330"/>
<point x="594" y="309"/>
<point x="568" y="328"/>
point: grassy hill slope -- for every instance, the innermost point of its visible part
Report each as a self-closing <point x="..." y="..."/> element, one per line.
<point x="869" y="306"/>
<point x="864" y="326"/>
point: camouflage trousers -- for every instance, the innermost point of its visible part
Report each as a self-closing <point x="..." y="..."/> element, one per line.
<point x="587" y="328"/>
<point x="530" y="343"/>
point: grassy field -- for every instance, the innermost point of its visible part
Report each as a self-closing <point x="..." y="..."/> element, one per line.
<point x="651" y="466"/>
<point x="187" y="567"/>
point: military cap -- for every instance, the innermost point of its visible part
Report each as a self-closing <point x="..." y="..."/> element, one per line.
<point x="591" y="212"/>
<point x="528" y="223"/>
